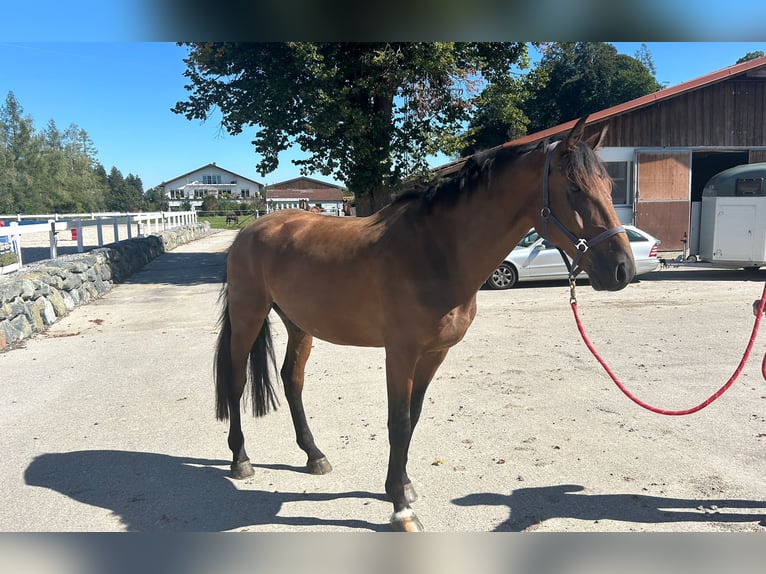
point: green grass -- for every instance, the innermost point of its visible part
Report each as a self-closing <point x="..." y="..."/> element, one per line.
<point x="8" y="258"/>
<point x="219" y="221"/>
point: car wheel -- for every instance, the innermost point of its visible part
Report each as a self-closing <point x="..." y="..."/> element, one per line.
<point x="504" y="277"/>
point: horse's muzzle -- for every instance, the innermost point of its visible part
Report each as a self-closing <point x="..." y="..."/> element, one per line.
<point x="611" y="274"/>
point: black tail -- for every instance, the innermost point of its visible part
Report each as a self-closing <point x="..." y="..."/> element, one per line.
<point x="259" y="374"/>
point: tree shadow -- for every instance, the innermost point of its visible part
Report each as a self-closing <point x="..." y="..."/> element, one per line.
<point x="168" y="268"/>
<point x="531" y="506"/>
<point x="155" y="492"/>
<point x="181" y="269"/>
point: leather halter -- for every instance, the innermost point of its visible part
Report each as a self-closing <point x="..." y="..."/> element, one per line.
<point x="581" y="245"/>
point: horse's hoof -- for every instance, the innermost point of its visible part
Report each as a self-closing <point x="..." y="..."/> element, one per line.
<point x="241" y="470"/>
<point x="319" y="466"/>
<point x="406" y="521"/>
<point x="409" y="493"/>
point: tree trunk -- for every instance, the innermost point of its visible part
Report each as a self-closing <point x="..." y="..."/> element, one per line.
<point x="372" y="201"/>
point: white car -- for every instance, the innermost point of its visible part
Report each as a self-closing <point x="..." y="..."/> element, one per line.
<point x="535" y="259"/>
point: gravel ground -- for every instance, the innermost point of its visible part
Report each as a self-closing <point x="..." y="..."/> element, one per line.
<point x="108" y="418"/>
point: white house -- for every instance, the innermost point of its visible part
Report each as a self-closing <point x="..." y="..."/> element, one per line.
<point x="210" y="180"/>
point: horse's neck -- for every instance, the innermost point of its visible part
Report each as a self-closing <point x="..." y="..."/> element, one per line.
<point x="489" y="222"/>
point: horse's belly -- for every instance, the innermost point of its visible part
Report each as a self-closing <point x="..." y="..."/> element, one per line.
<point x="338" y="324"/>
<point x="348" y="336"/>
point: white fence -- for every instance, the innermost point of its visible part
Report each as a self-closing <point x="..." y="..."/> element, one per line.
<point x="120" y="225"/>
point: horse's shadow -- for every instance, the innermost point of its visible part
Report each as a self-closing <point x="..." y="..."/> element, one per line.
<point x="531" y="506"/>
<point x="156" y="492"/>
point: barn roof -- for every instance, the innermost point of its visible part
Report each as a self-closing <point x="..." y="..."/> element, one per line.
<point x="291" y="183"/>
<point x="319" y="194"/>
<point x="755" y="68"/>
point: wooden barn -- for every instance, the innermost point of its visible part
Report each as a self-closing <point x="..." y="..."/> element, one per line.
<point x="661" y="149"/>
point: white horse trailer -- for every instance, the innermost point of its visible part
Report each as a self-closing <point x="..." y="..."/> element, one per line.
<point x="733" y="219"/>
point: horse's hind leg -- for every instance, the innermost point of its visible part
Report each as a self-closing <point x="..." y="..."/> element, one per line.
<point x="298" y="351"/>
<point x="240" y="466"/>
<point x="248" y="331"/>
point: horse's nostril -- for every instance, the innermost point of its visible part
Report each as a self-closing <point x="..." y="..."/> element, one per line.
<point x="621" y="273"/>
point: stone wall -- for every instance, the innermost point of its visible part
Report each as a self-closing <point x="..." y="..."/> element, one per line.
<point x="41" y="293"/>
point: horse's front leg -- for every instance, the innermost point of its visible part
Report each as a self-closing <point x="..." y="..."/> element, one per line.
<point x="400" y="367"/>
<point x="424" y="372"/>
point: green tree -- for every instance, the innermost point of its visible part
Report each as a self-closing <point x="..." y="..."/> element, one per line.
<point x="46" y="171"/>
<point x="135" y="192"/>
<point x="498" y="117"/>
<point x="210" y="203"/>
<point x="87" y="185"/>
<point x="578" y="78"/>
<point x="115" y="199"/>
<point x="751" y="56"/>
<point x="53" y="175"/>
<point x="155" y="200"/>
<point x="18" y="142"/>
<point x="125" y="193"/>
<point x="644" y="55"/>
<point x="7" y="178"/>
<point x="367" y="113"/>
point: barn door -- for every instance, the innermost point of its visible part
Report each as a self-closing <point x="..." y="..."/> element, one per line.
<point x="663" y="198"/>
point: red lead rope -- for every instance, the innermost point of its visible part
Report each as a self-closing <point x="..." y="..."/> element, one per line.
<point x="699" y="407"/>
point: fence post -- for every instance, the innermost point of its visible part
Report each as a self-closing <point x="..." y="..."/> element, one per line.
<point x="78" y="226"/>
<point x="100" y="230"/>
<point x="16" y="240"/>
<point x="129" y="220"/>
<point x="53" y="236"/>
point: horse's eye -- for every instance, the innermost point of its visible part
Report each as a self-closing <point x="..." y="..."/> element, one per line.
<point x="575" y="189"/>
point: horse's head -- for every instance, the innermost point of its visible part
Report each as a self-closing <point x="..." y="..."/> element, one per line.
<point x="577" y="214"/>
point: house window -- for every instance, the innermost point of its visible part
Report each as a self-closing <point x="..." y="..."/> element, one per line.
<point x="245" y="192"/>
<point x="211" y="179"/>
<point x="621" y="173"/>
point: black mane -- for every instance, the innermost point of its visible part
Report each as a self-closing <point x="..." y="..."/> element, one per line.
<point x="476" y="168"/>
<point x="580" y="165"/>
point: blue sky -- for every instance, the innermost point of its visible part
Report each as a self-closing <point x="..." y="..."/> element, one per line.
<point x="121" y="93"/>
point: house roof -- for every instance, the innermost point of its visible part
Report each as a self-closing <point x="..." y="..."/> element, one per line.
<point x="210" y="165"/>
<point x="755" y="68"/>
<point x="320" y="194"/>
<point x="289" y="182"/>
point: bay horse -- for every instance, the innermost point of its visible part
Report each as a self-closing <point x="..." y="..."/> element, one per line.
<point x="232" y="218"/>
<point x="413" y="269"/>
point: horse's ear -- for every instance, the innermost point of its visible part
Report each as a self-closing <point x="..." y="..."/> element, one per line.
<point x="595" y="141"/>
<point x="575" y="135"/>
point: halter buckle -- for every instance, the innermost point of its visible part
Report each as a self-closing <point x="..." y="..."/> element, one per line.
<point x="581" y="245"/>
